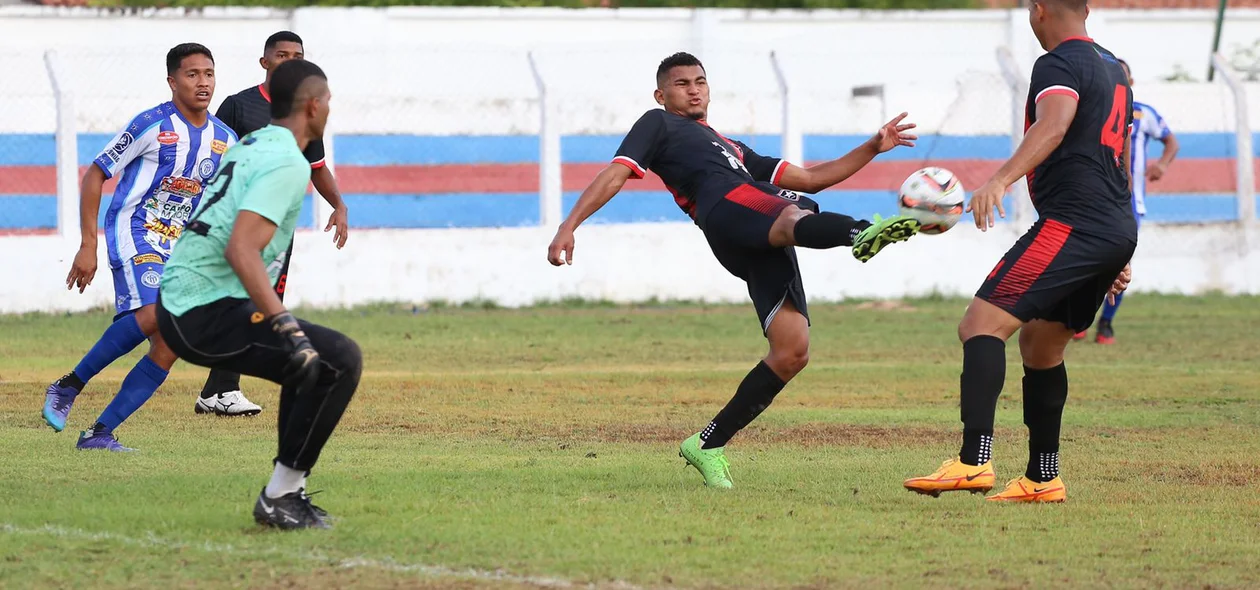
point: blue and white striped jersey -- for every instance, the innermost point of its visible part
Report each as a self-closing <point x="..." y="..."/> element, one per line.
<point x="1147" y="125"/>
<point x="163" y="163"/>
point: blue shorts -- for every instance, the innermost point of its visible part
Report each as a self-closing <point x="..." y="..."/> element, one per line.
<point x="136" y="281"/>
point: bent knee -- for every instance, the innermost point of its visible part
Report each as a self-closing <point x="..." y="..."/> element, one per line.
<point x="787" y="363"/>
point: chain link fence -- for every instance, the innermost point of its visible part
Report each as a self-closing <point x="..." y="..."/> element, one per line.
<point x="455" y="136"/>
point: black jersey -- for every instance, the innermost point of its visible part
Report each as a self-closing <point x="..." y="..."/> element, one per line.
<point x="1083" y="182"/>
<point x="697" y="164"/>
<point x="249" y="110"/>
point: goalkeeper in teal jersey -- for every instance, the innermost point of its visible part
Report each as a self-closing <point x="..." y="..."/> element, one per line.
<point x="217" y="306"/>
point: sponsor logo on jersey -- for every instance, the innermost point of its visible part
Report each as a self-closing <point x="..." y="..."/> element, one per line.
<point x="170" y="232"/>
<point x="206" y="168"/>
<point x="218" y="146"/>
<point x="115" y="153"/>
<point x="165" y="208"/>
<point x="180" y="187"/>
<point x="150" y="279"/>
<point x="147" y="259"/>
<point x="168" y="138"/>
<point x="257" y="318"/>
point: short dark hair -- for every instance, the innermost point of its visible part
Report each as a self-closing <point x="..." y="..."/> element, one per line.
<point x="285" y="83"/>
<point x="281" y="37"/>
<point x="175" y="57"/>
<point x="682" y="58"/>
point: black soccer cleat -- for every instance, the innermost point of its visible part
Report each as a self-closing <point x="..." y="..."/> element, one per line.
<point x="289" y="512"/>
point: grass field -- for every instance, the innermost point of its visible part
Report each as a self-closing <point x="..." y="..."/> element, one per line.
<point x="539" y="448"/>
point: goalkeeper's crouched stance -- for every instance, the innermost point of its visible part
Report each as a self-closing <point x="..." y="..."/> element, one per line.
<point x="217" y="308"/>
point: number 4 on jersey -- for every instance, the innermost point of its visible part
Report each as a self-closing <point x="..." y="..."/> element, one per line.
<point x="1114" y="130"/>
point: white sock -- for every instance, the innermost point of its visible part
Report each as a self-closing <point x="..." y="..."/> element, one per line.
<point x="284" y="480"/>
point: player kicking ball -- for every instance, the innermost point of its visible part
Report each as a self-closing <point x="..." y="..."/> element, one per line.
<point x="745" y="205"/>
<point x="246" y="112"/>
<point x="1051" y="283"/>
<point x="164" y="157"/>
<point x="217" y="307"/>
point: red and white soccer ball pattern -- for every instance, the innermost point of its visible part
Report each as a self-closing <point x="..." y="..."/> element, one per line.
<point x="935" y="197"/>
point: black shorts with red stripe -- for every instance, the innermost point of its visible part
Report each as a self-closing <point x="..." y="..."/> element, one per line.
<point x="738" y="231"/>
<point x="1057" y="273"/>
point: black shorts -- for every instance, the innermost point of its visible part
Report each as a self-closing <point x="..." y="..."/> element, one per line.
<point x="738" y="231"/>
<point x="1058" y="274"/>
<point x="231" y="334"/>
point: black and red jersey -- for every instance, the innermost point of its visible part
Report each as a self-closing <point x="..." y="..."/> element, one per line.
<point x="249" y="110"/>
<point x="1083" y="182"/>
<point x="699" y="165"/>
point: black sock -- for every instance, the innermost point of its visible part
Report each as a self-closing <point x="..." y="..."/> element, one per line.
<point x="1045" y="393"/>
<point x="71" y="380"/>
<point x="984" y="370"/>
<point x="99" y="428"/>
<point x="752" y="397"/>
<point x="220" y="381"/>
<point x="827" y="230"/>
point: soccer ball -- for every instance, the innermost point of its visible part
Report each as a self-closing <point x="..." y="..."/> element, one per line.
<point x="934" y="196"/>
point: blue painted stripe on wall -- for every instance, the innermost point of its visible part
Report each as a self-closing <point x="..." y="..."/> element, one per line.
<point x="382" y="150"/>
<point x="444" y="210"/>
<point x="377" y="150"/>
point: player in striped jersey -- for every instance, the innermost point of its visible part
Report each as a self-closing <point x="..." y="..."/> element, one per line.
<point x="163" y="159"/>
<point x="1147" y="125"/>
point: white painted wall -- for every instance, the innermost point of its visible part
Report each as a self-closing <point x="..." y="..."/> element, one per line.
<point x="631" y="263"/>
<point x="450" y="71"/>
<point x="464" y="70"/>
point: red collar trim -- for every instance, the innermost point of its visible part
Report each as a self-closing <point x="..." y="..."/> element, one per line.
<point x="262" y="89"/>
<point x="1086" y="39"/>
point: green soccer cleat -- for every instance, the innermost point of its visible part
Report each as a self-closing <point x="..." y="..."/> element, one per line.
<point x="711" y="463"/>
<point x="881" y="233"/>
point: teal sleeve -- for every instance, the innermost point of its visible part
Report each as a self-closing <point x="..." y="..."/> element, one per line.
<point x="273" y="192"/>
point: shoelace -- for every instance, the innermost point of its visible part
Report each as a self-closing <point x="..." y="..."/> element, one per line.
<point x="320" y="512"/>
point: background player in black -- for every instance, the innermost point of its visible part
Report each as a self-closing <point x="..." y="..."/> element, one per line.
<point x="245" y="112"/>
<point x="1051" y="283"/>
<point x="737" y="198"/>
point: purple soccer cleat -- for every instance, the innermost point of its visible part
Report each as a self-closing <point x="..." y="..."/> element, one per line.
<point x="57" y="402"/>
<point x="104" y="441"/>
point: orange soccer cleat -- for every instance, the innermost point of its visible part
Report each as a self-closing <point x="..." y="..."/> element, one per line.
<point x="1022" y="489"/>
<point x="954" y="476"/>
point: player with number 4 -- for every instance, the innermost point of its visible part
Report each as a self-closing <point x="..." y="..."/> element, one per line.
<point x="1052" y="282"/>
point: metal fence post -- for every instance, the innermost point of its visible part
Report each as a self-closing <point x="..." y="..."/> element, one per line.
<point x="67" y="150"/>
<point x="550" y="187"/>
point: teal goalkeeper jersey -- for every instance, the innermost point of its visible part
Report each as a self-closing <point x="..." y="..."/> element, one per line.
<point x="265" y="173"/>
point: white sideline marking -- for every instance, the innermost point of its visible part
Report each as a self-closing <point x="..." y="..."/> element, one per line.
<point x="434" y="571"/>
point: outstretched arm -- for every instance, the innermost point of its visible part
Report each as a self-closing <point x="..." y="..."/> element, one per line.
<point x="601" y="190"/>
<point x="84" y="267"/>
<point x="823" y="176"/>
<point x="1054" y="116"/>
